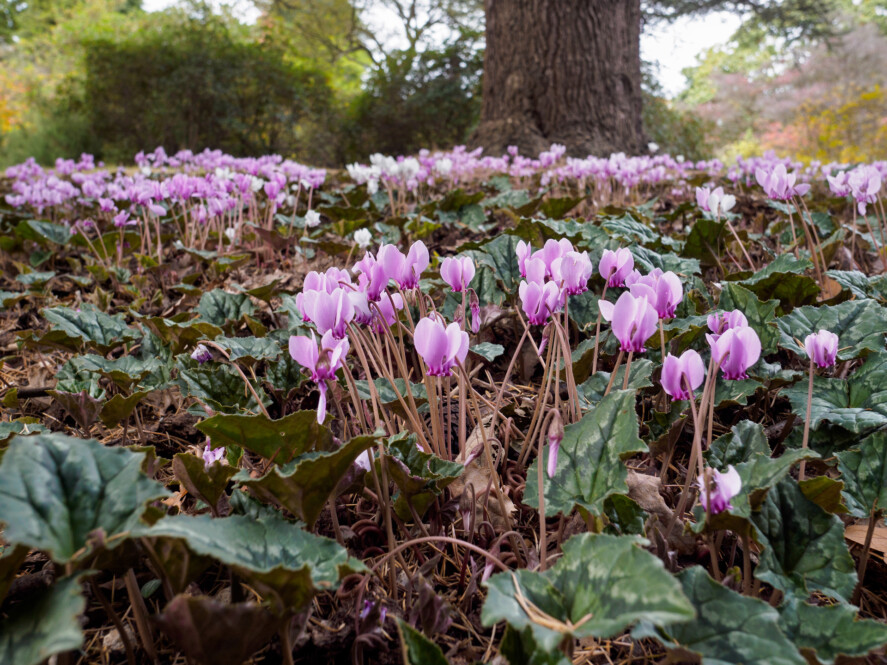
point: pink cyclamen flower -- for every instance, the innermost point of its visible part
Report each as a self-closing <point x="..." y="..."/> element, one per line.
<point x="779" y="184"/>
<point x="724" y="486"/>
<point x="329" y="311"/>
<point x="201" y="354"/>
<point x="474" y="306"/>
<point x="662" y="289"/>
<point x="457" y="272"/>
<point x="572" y="271"/>
<point x="714" y="201"/>
<point x="551" y="251"/>
<point x="683" y="374"/>
<point x="865" y="183"/>
<point x="839" y="184"/>
<point x="211" y="456"/>
<point x="736" y="351"/>
<point x="440" y="347"/>
<point x="321" y="362"/>
<point x="539" y="300"/>
<point x="615" y="266"/>
<point x="822" y="348"/>
<point x="524" y="251"/>
<point x="723" y="321"/>
<point x="632" y="319"/>
<point x="405" y="270"/>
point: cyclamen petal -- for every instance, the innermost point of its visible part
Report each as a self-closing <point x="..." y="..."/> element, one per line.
<point x="724" y="486"/>
<point x="440" y="347"/>
<point x="822" y="348"/>
<point x="678" y="372"/>
<point x="616" y="266"/>
<point x="736" y="351"/>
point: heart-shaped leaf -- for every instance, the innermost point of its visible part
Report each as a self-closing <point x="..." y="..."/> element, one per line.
<point x="804" y="548"/>
<point x="287" y="564"/>
<point x="418" y="649"/>
<point x="219" y="307"/>
<point x="859" y="325"/>
<point x="864" y="472"/>
<point x="419" y="476"/>
<point x="304" y="485"/>
<point x="589" y="464"/>
<point x="760" y="315"/>
<point x="858" y="404"/>
<point x="205" y="483"/>
<point x="830" y="631"/>
<point x="89" y="327"/>
<point x="729" y="628"/>
<point x="599" y="587"/>
<point x="280" y="440"/>
<point x="62" y="495"/>
<point x="44" y="625"/>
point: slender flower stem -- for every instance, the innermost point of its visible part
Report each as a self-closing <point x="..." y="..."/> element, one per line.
<point x="662" y="338"/>
<point x="806" y="441"/>
<point x="627" y="370"/>
<point x="615" y="370"/>
<point x="540" y="478"/>
<point x="597" y="334"/>
<point x="874" y="518"/>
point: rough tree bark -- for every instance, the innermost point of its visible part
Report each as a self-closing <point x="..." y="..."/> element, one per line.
<point x="562" y="71"/>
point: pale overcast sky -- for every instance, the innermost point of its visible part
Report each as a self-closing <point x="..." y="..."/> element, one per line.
<point x="673" y="45"/>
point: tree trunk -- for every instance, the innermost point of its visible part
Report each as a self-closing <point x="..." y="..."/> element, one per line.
<point x="562" y="71"/>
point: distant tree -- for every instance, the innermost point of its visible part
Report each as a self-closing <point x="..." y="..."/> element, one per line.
<point x="570" y="72"/>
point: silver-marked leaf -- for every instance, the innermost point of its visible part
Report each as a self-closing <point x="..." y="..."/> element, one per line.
<point x="89" y="327"/>
<point x="286" y="563"/>
<point x="601" y="585"/>
<point x="589" y="464"/>
<point x="864" y="472"/>
<point x="804" y="548"/>
<point x="830" y="631"/>
<point x="859" y="325"/>
<point x="728" y="629"/>
<point x="64" y="495"/>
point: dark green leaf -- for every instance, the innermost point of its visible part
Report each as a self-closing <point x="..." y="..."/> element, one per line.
<point x="589" y="465"/>
<point x="419" y="476"/>
<point x="858" y="404"/>
<point x="804" y="548"/>
<point x="864" y="472"/>
<point x="760" y="315"/>
<point x="304" y="485"/>
<point x="59" y="494"/>
<point x="418" y="649"/>
<point x="219" y="307"/>
<point x="43" y="232"/>
<point x="639" y="377"/>
<point x="43" y="625"/>
<point x="488" y="351"/>
<point x="90" y="327"/>
<point x="218" y="385"/>
<point x="287" y="564"/>
<point x="601" y="585"/>
<point x="281" y="440"/>
<point x="859" y="325"/>
<point x="205" y="483"/>
<point x="728" y="629"/>
<point x="830" y="631"/>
